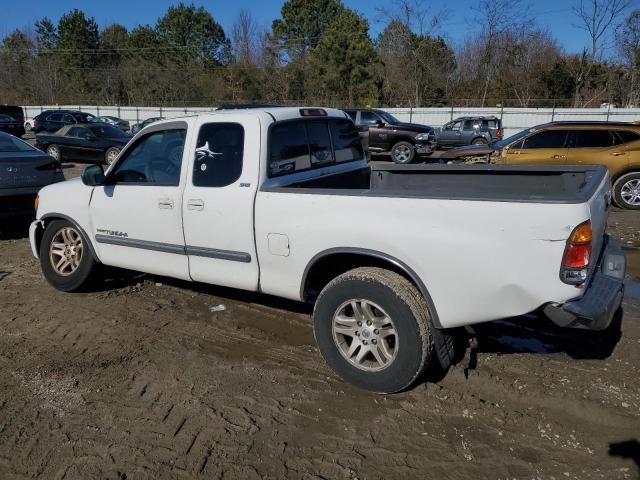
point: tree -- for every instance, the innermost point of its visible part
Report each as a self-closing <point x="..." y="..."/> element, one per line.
<point x="343" y="62"/>
<point x="598" y="18"/>
<point x="193" y="34"/>
<point x="303" y="24"/>
<point x="17" y="60"/>
<point x="245" y="38"/>
<point x="630" y="52"/>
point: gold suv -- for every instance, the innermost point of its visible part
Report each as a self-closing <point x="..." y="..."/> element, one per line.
<point x="613" y="144"/>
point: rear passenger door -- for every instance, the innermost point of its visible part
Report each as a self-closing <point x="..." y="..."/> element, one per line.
<point x="218" y="200"/>
<point x="543" y="147"/>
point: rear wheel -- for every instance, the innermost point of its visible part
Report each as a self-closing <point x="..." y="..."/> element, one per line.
<point x="27" y="127"/>
<point x="479" y="141"/>
<point x="54" y="152"/>
<point x="626" y="191"/>
<point x="403" y="152"/>
<point x="65" y="258"/>
<point x="111" y="154"/>
<point x="373" y="328"/>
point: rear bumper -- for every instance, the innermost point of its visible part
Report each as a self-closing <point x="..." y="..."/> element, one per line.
<point x="595" y="309"/>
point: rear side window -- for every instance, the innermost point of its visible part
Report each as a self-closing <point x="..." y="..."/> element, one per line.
<point x="55" y="117"/>
<point x="303" y="145"/>
<point x="493" y="124"/>
<point x="471" y="124"/>
<point x="595" y="139"/>
<point x="546" y="139"/>
<point x="627" y="136"/>
<point x="219" y="153"/>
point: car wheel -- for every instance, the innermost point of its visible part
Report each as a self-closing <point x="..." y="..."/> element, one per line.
<point x="66" y="260"/>
<point x="373" y="328"/>
<point x="27" y="127"/>
<point x="626" y="191"/>
<point x="54" y="152"/>
<point x="479" y="141"/>
<point x="403" y="152"/>
<point x="111" y="154"/>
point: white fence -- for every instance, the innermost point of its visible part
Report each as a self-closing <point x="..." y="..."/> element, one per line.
<point x="513" y="119"/>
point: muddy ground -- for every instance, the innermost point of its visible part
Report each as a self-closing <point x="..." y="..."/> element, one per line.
<point x="140" y="380"/>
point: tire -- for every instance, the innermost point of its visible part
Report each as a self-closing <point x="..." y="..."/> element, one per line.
<point x="68" y="278"/>
<point x="111" y="154"/>
<point x="479" y="141"/>
<point x="403" y="153"/>
<point x="377" y="293"/>
<point x="54" y="152"/>
<point x="27" y="127"/>
<point x="626" y="191"/>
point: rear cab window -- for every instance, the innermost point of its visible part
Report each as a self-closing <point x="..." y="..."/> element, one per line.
<point x="300" y="145"/>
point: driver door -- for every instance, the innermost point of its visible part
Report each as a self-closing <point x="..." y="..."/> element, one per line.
<point x="136" y="217"/>
<point x="370" y="123"/>
<point x="451" y="134"/>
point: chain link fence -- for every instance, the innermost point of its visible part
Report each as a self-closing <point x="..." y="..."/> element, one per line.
<point x="513" y="119"/>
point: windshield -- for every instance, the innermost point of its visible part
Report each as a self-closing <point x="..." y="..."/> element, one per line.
<point x="388" y="117"/>
<point x="9" y="143"/>
<point x="107" y="131"/>
<point x="513" y="138"/>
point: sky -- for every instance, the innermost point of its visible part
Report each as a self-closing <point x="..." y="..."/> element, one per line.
<point x="555" y="15"/>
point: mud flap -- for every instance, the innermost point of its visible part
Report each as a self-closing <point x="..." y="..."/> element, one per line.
<point x="445" y="347"/>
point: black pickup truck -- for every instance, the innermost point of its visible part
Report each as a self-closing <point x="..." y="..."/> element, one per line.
<point x="382" y="133"/>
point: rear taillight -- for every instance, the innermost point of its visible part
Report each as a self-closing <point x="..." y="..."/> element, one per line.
<point x="54" y="165"/>
<point x="35" y="122"/>
<point x="36" y="203"/>
<point x="499" y="133"/>
<point x="577" y="255"/>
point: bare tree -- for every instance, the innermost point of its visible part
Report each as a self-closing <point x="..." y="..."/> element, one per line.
<point x="629" y="47"/>
<point x="245" y="38"/>
<point x="599" y="17"/>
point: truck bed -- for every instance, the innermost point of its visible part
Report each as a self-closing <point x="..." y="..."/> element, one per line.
<point x="496" y="183"/>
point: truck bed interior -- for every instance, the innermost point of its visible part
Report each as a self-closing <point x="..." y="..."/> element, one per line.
<point x="536" y="184"/>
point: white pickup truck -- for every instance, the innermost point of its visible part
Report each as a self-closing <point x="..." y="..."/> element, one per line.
<point x="282" y="201"/>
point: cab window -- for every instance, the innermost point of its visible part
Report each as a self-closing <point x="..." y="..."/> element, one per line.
<point x="546" y="139"/>
<point x="219" y="152"/>
<point x="154" y="159"/>
<point x="369" y="118"/>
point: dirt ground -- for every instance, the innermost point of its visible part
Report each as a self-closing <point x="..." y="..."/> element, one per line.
<point x="140" y="380"/>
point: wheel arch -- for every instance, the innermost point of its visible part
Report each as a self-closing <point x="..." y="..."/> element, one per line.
<point x="625" y="171"/>
<point x="50" y="217"/>
<point x="328" y="264"/>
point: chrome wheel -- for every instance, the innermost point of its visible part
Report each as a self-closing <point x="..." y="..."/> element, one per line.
<point x="112" y="154"/>
<point x="630" y="192"/>
<point x="365" y="335"/>
<point x="402" y="154"/>
<point x="54" y="151"/>
<point x="65" y="251"/>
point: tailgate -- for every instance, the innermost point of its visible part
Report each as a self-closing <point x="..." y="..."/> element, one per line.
<point x="598" y="211"/>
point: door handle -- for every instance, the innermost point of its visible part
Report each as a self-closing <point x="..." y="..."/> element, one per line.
<point x="165" y="203"/>
<point x="195" y="204"/>
<point x="617" y="154"/>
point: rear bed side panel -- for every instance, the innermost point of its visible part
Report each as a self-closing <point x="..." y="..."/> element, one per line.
<point x="479" y="260"/>
<point x="598" y="205"/>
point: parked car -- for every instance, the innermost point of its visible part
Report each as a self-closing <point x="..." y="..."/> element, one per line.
<point x="14" y="111"/>
<point x="116" y="122"/>
<point x="54" y="120"/>
<point x="139" y="126"/>
<point x="283" y="201"/>
<point x="23" y="171"/>
<point x="385" y="134"/>
<point x="468" y="131"/>
<point x="11" y="125"/>
<point x="616" y="145"/>
<point x="86" y="142"/>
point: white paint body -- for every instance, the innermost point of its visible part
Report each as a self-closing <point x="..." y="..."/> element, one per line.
<point x="479" y="260"/>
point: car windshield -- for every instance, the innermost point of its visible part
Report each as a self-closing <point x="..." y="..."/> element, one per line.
<point x="388" y="117"/>
<point x="9" y="143"/>
<point x="105" y="130"/>
<point x="513" y="138"/>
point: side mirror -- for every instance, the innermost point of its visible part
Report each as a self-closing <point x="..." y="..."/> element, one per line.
<point x="380" y="124"/>
<point x="93" y="175"/>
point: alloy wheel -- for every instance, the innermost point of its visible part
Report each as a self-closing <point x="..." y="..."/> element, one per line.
<point x="65" y="251"/>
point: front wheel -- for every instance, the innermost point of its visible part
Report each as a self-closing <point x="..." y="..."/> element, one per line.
<point x="403" y="153"/>
<point x="111" y="154"/>
<point x="54" y="152"/>
<point x="373" y="328"/>
<point x="65" y="258"/>
<point x="626" y="191"/>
